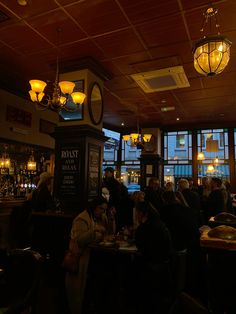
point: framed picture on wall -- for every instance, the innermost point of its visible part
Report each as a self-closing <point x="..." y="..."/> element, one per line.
<point x="94" y="170"/>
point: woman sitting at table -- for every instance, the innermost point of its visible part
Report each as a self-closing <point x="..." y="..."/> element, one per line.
<point x="153" y="267"/>
<point x="84" y="231"/>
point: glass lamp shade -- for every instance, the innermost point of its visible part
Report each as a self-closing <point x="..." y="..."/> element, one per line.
<point x="62" y="101"/>
<point x="126" y="138"/>
<point x="78" y="97"/>
<point x="216" y="161"/>
<point x="134" y="137"/>
<point x="210" y="168"/>
<point x="37" y="86"/>
<point x="31" y="165"/>
<point x="66" y="87"/>
<point x="5" y="163"/>
<point x="147" y="137"/>
<point x="211" y="55"/>
<point x="200" y="156"/>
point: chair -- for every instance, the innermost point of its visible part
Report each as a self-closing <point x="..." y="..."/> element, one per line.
<point x="20" y="282"/>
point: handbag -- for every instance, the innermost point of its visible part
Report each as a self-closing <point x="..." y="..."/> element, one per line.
<point x="70" y="262"/>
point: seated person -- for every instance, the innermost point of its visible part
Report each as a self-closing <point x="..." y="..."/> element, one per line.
<point x="153" y="241"/>
<point x="84" y="231"/>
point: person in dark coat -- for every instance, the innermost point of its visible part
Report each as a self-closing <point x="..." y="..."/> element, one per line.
<point x="215" y="203"/>
<point x="153" y="193"/>
<point x="42" y="199"/>
<point x="181" y="222"/>
<point x="119" y="199"/>
<point x="154" y="284"/>
<point x="192" y="199"/>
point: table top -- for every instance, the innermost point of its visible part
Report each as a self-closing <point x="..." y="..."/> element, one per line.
<point x="115" y="247"/>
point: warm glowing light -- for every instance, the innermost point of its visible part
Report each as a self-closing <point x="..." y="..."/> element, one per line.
<point x="210" y="168"/>
<point x="37" y="86"/>
<point x="200" y="156"/>
<point x="147" y="137"/>
<point x="66" y="87"/>
<point x="126" y="138"/>
<point x="78" y="97"/>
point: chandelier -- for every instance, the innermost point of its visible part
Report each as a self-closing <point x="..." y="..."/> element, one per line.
<point x="136" y="139"/>
<point x="211" y="53"/>
<point x="62" y="94"/>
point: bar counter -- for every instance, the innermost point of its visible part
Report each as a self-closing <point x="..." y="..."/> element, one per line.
<point x="6" y="208"/>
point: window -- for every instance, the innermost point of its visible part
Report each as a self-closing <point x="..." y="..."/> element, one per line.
<point x="180" y="141"/>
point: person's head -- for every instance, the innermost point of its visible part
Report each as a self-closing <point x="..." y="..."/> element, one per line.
<point x="106" y="193"/>
<point x="109" y="172"/>
<point x="44" y="179"/>
<point x="145" y="211"/>
<point x="191" y="182"/>
<point x="154" y="183"/>
<point x="137" y="196"/>
<point x="216" y="183"/>
<point x="169" y="186"/>
<point x="97" y="207"/>
<point x="205" y="181"/>
<point x="183" y="184"/>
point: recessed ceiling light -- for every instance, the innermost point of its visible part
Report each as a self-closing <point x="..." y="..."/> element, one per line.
<point x="163" y="101"/>
<point x="177" y="119"/>
<point x="165" y="109"/>
<point x="122" y="124"/>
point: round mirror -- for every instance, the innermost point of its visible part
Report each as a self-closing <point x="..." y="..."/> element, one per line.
<point x="95" y="104"/>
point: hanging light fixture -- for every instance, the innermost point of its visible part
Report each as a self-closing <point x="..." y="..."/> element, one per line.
<point x="211" y="53"/>
<point x="62" y="94"/>
<point x="137" y="139"/>
<point x="216" y="161"/>
<point x="200" y="156"/>
<point x="5" y="162"/>
<point x="210" y="169"/>
<point x="31" y="164"/>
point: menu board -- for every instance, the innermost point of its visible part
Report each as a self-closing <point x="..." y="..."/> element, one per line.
<point x="69" y="171"/>
<point x="94" y="170"/>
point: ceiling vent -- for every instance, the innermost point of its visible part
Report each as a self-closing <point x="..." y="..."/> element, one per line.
<point x="161" y="80"/>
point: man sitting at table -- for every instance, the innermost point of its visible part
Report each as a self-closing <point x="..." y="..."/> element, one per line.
<point x="154" y="283"/>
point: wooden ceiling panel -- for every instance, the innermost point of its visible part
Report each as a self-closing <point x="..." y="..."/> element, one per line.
<point x="105" y="15"/>
<point x="145" y="10"/>
<point x="183" y="50"/>
<point x="125" y="37"/>
<point x="120" y="82"/>
<point x="127" y="64"/>
<point x="191" y="4"/>
<point x="81" y="49"/>
<point x="120" y="43"/>
<point x="48" y="25"/>
<point x="161" y="32"/>
<point x="26" y="41"/>
<point x="31" y="9"/>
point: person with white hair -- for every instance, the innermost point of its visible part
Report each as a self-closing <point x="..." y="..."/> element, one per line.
<point x="42" y="199"/>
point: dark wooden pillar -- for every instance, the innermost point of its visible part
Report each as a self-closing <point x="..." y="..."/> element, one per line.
<point x="151" y="166"/>
<point x="232" y="159"/>
<point x="78" y="165"/>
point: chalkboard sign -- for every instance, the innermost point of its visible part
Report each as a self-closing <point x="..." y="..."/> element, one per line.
<point x="69" y="171"/>
<point x="94" y="170"/>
